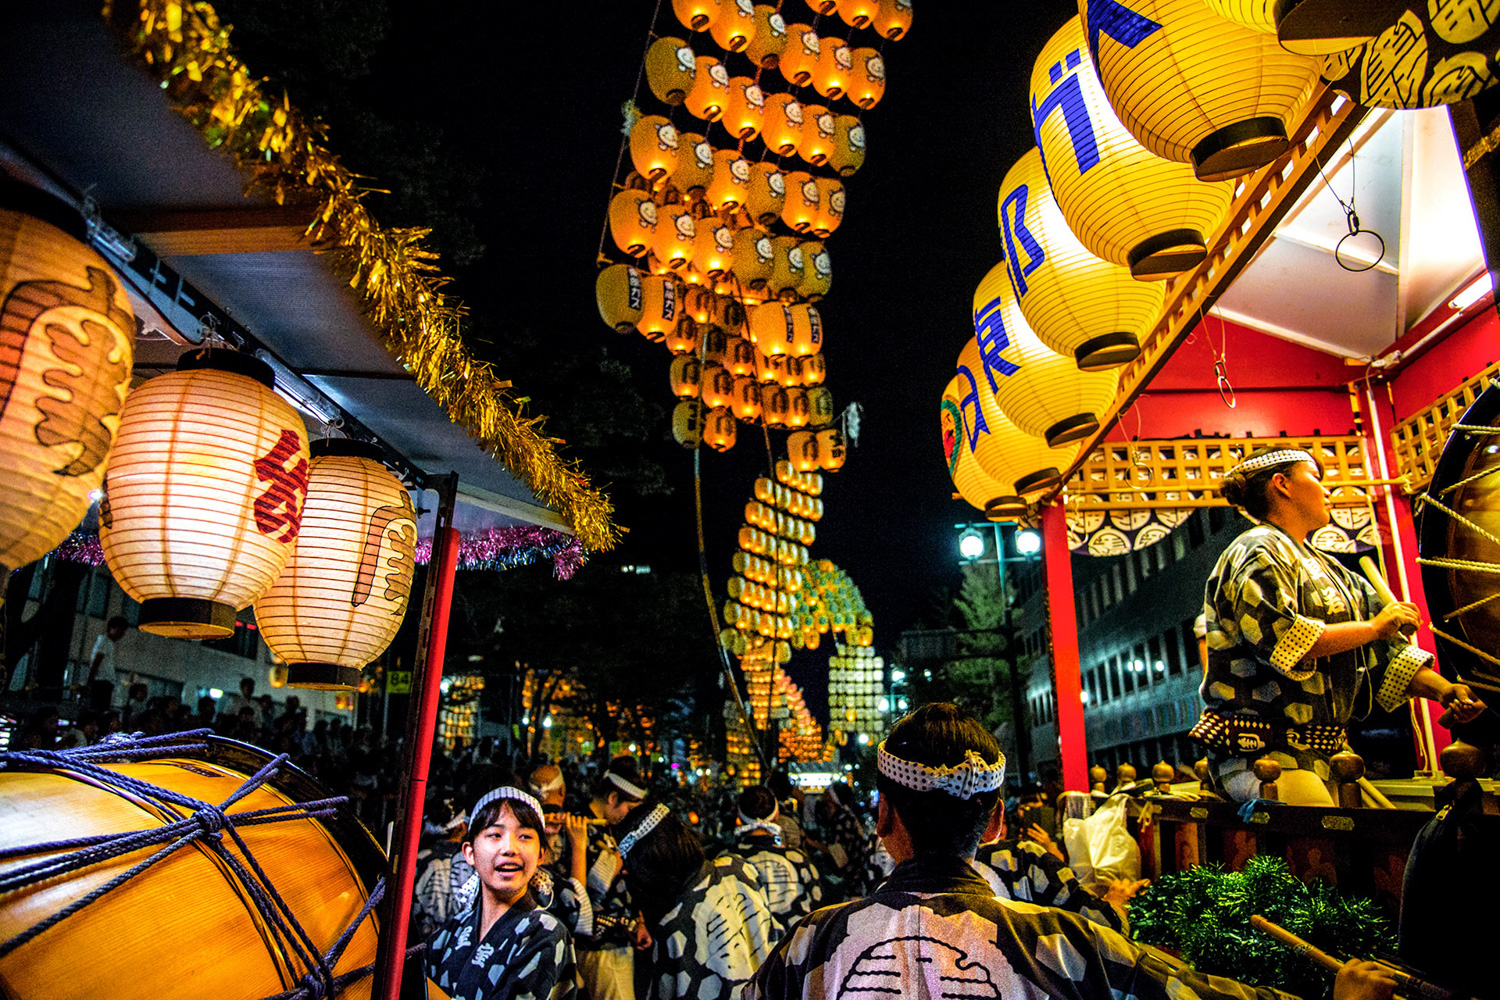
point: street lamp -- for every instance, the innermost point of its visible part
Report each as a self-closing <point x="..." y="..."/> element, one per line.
<point x="971" y="544"/>
<point x="1028" y="542"/>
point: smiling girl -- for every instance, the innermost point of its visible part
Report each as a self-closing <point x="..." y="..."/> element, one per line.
<point x="504" y="945"/>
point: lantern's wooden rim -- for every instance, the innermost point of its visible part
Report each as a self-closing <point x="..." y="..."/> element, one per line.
<point x="322" y="676"/>
<point x="1240" y="148"/>
<point x="1070" y="429"/>
<point x="344" y="448"/>
<point x="225" y="360"/>
<point x="1004" y="508"/>
<point x="1041" y="479"/>
<point x="1106" y="351"/>
<point x="1330" y="25"/>
<point x="186" y="618"/>
<point x="1167" y="254"/>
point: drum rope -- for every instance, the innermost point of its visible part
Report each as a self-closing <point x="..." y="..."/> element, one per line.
<point x="205" y="826"/>
<point x="1469" y="479"/>
<point x="1427" y="498"/>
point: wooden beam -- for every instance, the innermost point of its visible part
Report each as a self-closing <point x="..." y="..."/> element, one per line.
<point x="250" y="229"/>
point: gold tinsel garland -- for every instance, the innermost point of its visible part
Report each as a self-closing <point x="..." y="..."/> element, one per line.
<point x="395" y="275"/>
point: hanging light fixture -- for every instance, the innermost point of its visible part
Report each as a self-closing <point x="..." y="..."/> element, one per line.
<point x="66" y="341"/>
<point x="1080" y="306"/>
<point x="203" y="500"/>
<point x="342" y="596"/>
<point x="1123" y="202"/>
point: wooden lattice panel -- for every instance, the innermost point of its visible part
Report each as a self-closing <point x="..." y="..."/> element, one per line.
<point x="1419" y="440"/>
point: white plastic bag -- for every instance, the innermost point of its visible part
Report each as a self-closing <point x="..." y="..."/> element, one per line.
<point x="1100" y="847"/>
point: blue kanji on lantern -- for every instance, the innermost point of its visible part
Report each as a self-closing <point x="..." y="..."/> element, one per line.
<point x="975" y="427"/>
<point x="1013" y="230"/>
<point x="989" y="330"/>
<point x="1112" y="18"/>
<point x="1067" y="96"/>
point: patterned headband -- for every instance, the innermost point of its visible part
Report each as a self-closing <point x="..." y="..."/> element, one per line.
<point x="506" y="792"/>
<point x="1281" y="456"/>
<point x="963" y="780"/>
<point x="658" y="813"/>
<point x="625" y="785"/>
<point x="556" y="783"/>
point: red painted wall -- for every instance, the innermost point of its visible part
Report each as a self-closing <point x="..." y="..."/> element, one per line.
<point x="1460" y="354"/>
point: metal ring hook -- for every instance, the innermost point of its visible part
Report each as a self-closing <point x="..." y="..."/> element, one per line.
<point x="1226" y="390"/>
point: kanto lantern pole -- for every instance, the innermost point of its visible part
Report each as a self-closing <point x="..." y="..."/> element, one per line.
<point x="421" y="725"/>
<point x="1066" y="679"/>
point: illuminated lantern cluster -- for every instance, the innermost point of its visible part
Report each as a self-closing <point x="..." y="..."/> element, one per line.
<point x="204" y="497"/>
<point x="458" y="713"/>
<point x="857" y="698"/>
<point x="341" y="598"/>
<point x="66" y="342"/>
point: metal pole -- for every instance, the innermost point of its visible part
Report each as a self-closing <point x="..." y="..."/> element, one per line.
<point x="421" y="724"/>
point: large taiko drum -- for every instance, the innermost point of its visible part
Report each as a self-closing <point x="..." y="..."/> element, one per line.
<point x="1460" y="565"/>
<point x="186" y="926"/>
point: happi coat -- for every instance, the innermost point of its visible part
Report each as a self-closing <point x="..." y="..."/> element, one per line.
<point x="527" y="955"/>
<point x="1027" y="872"/>
<point x="935" y="930"/>
<point x="1266" y="604"/>
<point x="714" y="938"/>
<point x="613" y="913"/>
<point x="790" y="880"/>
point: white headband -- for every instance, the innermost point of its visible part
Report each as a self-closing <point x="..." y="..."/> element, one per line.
<point x="658" y="813"/>
<point x="540" y="790"/>
<point x="1281" y="456"/>
<point x="747" y="820"/>
<point x="625" y="785"/>
<point x="752" y="825"/>
<point x="506" y="792"/>
<point x="963" y="780"/>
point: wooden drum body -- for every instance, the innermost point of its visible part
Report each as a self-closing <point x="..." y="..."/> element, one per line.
<point x="185" y="927"/>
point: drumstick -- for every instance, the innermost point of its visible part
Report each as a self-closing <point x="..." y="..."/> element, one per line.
<point x="1372" y="573"/>
<point x="1291" y="940"/>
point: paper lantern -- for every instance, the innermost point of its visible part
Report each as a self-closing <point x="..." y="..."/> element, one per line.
<point x="675" y="233"/>
<point x="848" y="153"/>
<point x="730" y="185"/>
<point x="767" y="193"/>
<point x="745" y="112"/>
<point x="813" y="369"/>
<point x="819" y="403"/>
<point x="1123" y="202"/>
<point x="66" y="341"/>
<point x="831" y="449"/>
<point x="698" y="303"/>
<point x="342" y="596"/>
<point x="661" y="306"/>
<point x="713" y="248"/>
<point x="782" y="126"/>
<point x="734" y="25"/>
<point x="741" y="357"/>
<point x="687" y="423"/>
<point x="799" y="58"/>
<point x="959" y="434"/>
<point x="277" y="675"/>
<point x="786" y="266"/>
<point x="893" y="19"/>
<point x="720" y="430"/>
<point x="818" y="132"/>
<point x="786" y="370"/>
<point x="746" y="403"/>
<point x="1420" y="57"/>
<point x="653" y="147"/>
<point x="867" y="80"/>
<point x="204" y="495"/>
<point x="686" y="376"/>
<point x="1195" y="88"/>
<point x="618" y="293"/>
<point x="1079" y="305"/>
<point x="695" y="165"/>
<point x="710" y="90"/>
<point x="780" y="328"/>
<point x="729" y="314"/>
<point x="718" y="386"/>
<point x="835" y="70"/>
<point x="632" y="221"/>
<point x="766" y="373"/>
<point x="754" y="258"/>
<point x="817" y="272"/>
<point x="798" y="409"/>
<point x="671" y="70"/>
<point x="802" y="449"/>
<point x="715" y="345"/>
<point x="769" y="39"/>
<point x="683" y="338"/>
<point x="800" y="210"/>
<point x="858" y="13"/>
<point x="697" y="14"/>
<point x="1044" y="393"/>
<point x="831" y="200"/>
<point x="776" y="405"/>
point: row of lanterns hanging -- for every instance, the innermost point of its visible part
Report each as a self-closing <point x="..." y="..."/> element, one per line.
<point x="211" y="497"/>
<point x="857" y="699"/>
<point x="1146" y="113"/>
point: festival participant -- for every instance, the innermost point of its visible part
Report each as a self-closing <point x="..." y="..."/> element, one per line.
<point x="711" y="927"/>
<point x="789" y="878"/>
<point x="1024" y="870"/>
<point x="788" y="807"/>
<point x="849" y="843"/>
<point x="1296" y="643"/>
<point x="934" y="928"/>
<point x="551" y="790"/>
<point x="606" y="958"/>
<point x="503" y="947"/>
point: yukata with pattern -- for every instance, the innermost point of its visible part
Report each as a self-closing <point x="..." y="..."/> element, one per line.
<point x="1025" y="871"/>
<point x="713" y="939"/>
<point x="791" y="882"/>
<point x="1266" y="604"/>
<point x="527" y="955"/>
<point x="934" y="929"/>
<point x="609" y="899"/>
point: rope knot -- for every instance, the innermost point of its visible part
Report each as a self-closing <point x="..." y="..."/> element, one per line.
<point x="210" y="820"/>
<point x="318" y="984"/>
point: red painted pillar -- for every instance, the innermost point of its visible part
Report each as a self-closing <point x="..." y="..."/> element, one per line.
<point x="1066" y="677"/>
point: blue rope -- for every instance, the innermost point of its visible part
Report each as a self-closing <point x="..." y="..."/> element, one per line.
<point x="205" y="826"/>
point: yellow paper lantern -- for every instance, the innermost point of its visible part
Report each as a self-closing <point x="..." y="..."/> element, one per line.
<point x="713" y="248"/>
<point x="786" y="266"/>
<point x="277" y="675"/>
<point x="686" y="375"/>
<point x="342" y="596"/>
<point x="802" y="449"/>
<point x="893" y="19"/>
<point x="799" y="58"/>
<point x="718" y="386"/>
<point x="653" y="147"/>
<point x="867" y="83"/>
<point x="675" y="233"/>
<point x="697" y="302"/>
<point x="848" y="153"/>
<point x="697" y="15"/>
<point x="766" y="373"/>
<point x="204" y="495"/>
<point x="746" y="403"/>
<point x="1195" y="88"/>
<point x="835" y="70"/>
<point x="1123" y="202"/>
<point x="710" y="90"/>
<point x="683" y="338"/>
<point x="66" y="340"/>
<point x="618" y="293"/>
<point x="1079" y="305"/>
<point x="819" y="402"/>
<point x="813" y="369"/>
<point x="831" y="200"/>
<point x="817" y="272"/>
<point x="734" y="25"/>
<point x="695" y="165"/>
<point x="803" y="200"/>
<point x="730" y="185"/>
<point x="785" y="366"/>
<point x="632" y="221"/>
<point x="661" y="306"/>
<point x="769" y="39"/>
<point x="781" y="328"/>
<point x="1256" y="14"/>
<point x="799" y="410"/>
<point x="671" y="70"/>
<point x="818" y="128"/>
<point x="782" y="124"/>
<point x="715" y="345"/>
<point x="767" y="193"/>
<point x="963" y="423"/>
<point x="687" y="423"/>
<point x="776" y="405"/>
<point x="741" y="357"/>
<point x="720" y="431"/>
<point x="858" y="13"/>
<point x="831" y="449"/>
<point x="1044" y="393"/>
<point x="754" y="258"/>
<point x="745" y="112"/>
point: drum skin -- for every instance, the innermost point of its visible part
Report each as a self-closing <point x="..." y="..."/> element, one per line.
<point x="183" y="928"/>
<point x="1444" y="537"/>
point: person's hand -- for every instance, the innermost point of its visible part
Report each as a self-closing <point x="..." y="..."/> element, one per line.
<point x="577" y="830"/>
<point x="640" y="935"/>
<point x="1393" y="618"/>
<point x="1045" y="841"/>
<point x="1460" y="701"/>
<point x="1361" y="980"/>
<point x="1121" y="891"/>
